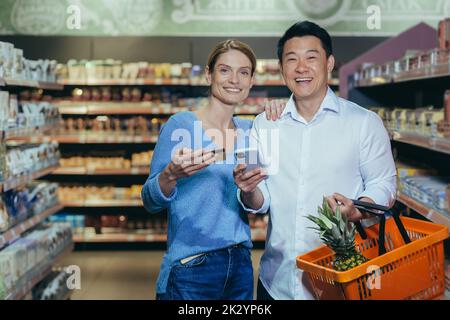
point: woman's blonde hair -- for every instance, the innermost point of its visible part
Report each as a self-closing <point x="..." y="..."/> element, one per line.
<point x="228" y="45"/>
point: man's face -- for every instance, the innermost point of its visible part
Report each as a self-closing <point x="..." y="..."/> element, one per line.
<point x="305" y="66"/>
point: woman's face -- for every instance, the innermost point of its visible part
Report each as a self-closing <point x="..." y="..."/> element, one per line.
<point x="231" y="78"/>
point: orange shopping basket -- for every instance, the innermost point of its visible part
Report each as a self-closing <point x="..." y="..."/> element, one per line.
<point x="408" y="264"/>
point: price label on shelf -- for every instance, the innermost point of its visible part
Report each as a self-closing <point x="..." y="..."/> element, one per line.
<point x="150" y="237"/>
<point x="158" y="81"/>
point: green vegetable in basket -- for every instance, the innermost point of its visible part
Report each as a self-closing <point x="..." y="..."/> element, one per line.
<point x="339" y="235"/>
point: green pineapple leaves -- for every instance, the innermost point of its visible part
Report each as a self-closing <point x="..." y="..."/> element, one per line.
<point x="334" y="229"/>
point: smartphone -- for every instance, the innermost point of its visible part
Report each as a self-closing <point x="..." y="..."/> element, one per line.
<point x="248" y="156"/>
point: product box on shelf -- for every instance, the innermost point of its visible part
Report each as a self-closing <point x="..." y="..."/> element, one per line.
<point x="22" y="203"/>
<point x="429" y="190"/>
<point x="444" y="34"/>
<point x="4" y="218"/>
<point x="447" y="106"/>
<point x="53" y="287"/>
<point x="3" y="173"/>
<point x="432" y="120"/>
<point x="26" y="160"/>
<point x="4" y="110"/>
<point x="6" y="59"/>
<point x="19" y="260"/>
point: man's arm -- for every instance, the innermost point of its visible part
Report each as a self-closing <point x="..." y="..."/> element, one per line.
<point x="377" y="165"/>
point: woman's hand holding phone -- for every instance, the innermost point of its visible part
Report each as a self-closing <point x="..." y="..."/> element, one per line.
<point x="185" y="162"/>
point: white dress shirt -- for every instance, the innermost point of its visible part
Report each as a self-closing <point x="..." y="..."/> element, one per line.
<point x="344" y="148"/>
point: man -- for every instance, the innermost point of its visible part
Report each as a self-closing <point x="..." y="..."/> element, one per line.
<point x="327" y="146"/>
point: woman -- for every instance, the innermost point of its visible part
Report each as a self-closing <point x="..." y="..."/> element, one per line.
<point x="209" y="238"/>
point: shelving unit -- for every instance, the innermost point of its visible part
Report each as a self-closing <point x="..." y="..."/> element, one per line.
<point x="15" y="232"/>
<point x="413" y="88"/>
<point x="8" y="82"/>
<point x="165" y="82"/>
<point x="103" y="203"/>
<point x="105" y="238"/>
<point x="15" y="182"/>
<point x="34" y="276"/>
<point x="433" y="215"/>
<point x="431" y="143"/>
<point x="100" y="172"/>
<point x="125" y="108"/>
<point x="25" y="135"/>
<point x="96" y="139"/>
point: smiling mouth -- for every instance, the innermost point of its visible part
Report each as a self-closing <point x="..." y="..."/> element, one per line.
<point x="303" y="80"/>
<point x="233" y="90"/>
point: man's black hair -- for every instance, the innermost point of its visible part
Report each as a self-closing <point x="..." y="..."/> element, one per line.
<point x="306" y="28"/>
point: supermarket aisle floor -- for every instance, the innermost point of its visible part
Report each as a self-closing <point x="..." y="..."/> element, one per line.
<point x="113" y="275"/>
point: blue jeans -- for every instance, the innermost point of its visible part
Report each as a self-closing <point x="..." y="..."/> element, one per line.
<point x="225" y="274"/>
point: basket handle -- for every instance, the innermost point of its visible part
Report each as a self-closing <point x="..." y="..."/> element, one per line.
<point x="381" y="212"/>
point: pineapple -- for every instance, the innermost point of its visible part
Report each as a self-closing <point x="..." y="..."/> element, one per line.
<point x="339" y="235"/>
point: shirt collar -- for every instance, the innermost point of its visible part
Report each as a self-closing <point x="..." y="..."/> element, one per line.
<point x="330" y="102"/>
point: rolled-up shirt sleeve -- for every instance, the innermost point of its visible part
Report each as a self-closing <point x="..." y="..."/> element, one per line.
<point x="377" y="165"/>
<point x="266" y="204"/>
<point x="152" y="196"/>
<point x="254" y="141"/>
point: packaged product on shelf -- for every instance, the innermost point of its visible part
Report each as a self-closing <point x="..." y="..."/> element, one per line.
<point x="444" y="34"/>
<point x="53" y="287"/>
<point x="399" y="119"/>
<point x="4" y="110"/>
<point x="4" y="218"/>
<point x="20" y="259"/>
<point x="3" y="173"/>
<point x="6" y="59"/>
<point x="447" y="106"/>
<point x="25" y="160"/>
<point x="77" y="222"/>
<point x="13" y="117"/>
<point x="427" y="189"/>
<point x="432" y="119"/>
<point x="18" y="64"/>
<point x="27" y="201"/>
<point x="407" y="170"/>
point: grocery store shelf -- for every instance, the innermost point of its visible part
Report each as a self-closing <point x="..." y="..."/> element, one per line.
<point x="99" y="138"/>
<point x="129" y="108"/>
<point x="106" y="108"/>
<point x="431" y="214"/>
<point x="37" y="274"/>
<point x="17" y="230"/>
<point x="120" y="238"/>
<point x="30" y="83"/>
<point x="168" y="82"/>
<point x="103" y="203"/>
<point x="105" y="238"/>
<point x="435" y="144"/>
<point x="442" y="71"/>
<point x="120" y="82"/>
<point x="26" y="133"/>
<point x="99" y="171"/>
<point x="19" y="181"/>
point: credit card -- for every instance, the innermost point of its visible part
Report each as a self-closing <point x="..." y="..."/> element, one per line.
<point x="220" y="154"/>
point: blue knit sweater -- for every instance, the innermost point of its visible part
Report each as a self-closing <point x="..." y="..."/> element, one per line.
<point x="203" y="211"/>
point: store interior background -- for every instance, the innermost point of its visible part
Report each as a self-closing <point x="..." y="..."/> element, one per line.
<point x="128" y="270"/>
